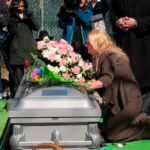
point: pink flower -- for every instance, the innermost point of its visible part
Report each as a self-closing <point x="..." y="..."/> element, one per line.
<point x="76" y="70"/>
<point x="82" y="80"/>
<point x="61" y="51"/>
<point x="72" y="53"/>
<point x="52" y="57"/>
<point x="62" y="62"/>
<point x="66" y="75"/>
<point x="65" y="44"/>
<point x="40" y="45"/>
<point x="62" y="41"/>
<point x="55" y="44"/>
<point x="70" y="47"/>
<point x="48" y="44"/>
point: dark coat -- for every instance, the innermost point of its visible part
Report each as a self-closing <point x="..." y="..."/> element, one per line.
<point x="122" y="96"/>
<point x="22" y="41"/>
<point x="100" y="7"/>
<point x="135" y="42"/>
<point x="4" y="14"/>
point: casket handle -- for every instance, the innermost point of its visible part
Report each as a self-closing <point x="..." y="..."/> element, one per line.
<point x="48" y="144"/>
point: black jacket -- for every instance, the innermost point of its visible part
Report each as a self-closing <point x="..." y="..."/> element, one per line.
<point x="21" y="38"/>
<point x="135" y="42"/>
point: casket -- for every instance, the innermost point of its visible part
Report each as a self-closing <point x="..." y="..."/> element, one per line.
<point x="57" y="114"/>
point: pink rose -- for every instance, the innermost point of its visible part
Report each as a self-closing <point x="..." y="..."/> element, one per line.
<point x="40" y="45"/>
<point x="55" y="44"/>
<point x="76" y="70"/>
<point x="70" y="47"/>
<point x="62" y="41"/>
<point x="72" y="53"/>
<point x="82" y="80"/>
<point x="74" y="60"/>
<point x="62" y="62"/>
<point x="66" y="75"/>
<point x="48" y="44"/>
<point x="62" y="51"/>
<point x="52" y="57"/>
<point x="64" y="44"/>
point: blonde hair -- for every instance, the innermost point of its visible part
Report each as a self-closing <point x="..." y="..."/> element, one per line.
<point x="102" y="43"/>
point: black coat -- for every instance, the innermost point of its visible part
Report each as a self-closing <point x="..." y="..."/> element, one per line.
<point x="22" y="41"/>
<point x="100" y="7"/>
<point x="4" y="14"/>
<point x="135" y="42"/>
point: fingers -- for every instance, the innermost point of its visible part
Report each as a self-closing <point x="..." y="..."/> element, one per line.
<point x="139" y="120"/>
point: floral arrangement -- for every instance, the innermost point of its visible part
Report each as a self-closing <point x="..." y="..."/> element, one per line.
<point x="61" y="61"/>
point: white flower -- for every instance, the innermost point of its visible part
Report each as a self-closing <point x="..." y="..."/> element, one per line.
<point x="63" y="68"/>
<point x="46" y="54"/>
<point x="56" y="70"/>
<point x="52" y="50"/>
<point x="80" y="63"/>
<point x="50" y="67"/>
<point x="75" y="80"/>
<point x="79" y="76"/>
<point x="58" y="58"/>
<point x="69" y="60"/>
<point x="46" y="39"/>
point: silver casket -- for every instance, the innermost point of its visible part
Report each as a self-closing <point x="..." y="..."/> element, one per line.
<point x="57" y="114"/>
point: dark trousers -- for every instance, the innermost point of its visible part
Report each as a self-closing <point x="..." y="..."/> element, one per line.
<point x="15" y="77"/>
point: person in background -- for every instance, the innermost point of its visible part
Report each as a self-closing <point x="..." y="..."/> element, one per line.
<point x="131" y="21"/>
<point x="8" y="3"/>
<point x="22" y="23"/>
<point x="76" y="26"/>
<point x="4" y="20"/>
<point x="98" y="7"/>
<point x="115" y="81"/>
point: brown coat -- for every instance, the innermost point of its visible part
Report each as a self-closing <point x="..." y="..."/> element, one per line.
<point x="123" y="97"/>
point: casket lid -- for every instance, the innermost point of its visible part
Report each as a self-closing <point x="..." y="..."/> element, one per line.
<point x="55" y="101"/>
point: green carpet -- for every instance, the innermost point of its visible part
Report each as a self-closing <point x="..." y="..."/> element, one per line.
<point x="3" y="117"/>
<point x="134" y="145"/>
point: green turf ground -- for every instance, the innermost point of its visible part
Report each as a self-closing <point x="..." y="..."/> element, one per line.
<point x="134" y="145"/>
<point x="3" y="117"/>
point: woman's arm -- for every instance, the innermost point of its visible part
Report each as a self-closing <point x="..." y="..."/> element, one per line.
<point x="32" y="21"/>
<point x="106" y="74"/>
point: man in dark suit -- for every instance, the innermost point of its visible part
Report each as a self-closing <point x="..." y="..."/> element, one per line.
<point x="131" y="20"/>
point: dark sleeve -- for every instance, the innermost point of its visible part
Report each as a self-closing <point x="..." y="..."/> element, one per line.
<point x="32" y="22"/>
<point x="4" y="14"/>
<point x="113" y="13"/>
<point x="143" y="25"/>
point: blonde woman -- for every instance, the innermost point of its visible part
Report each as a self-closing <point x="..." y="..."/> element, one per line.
<point x="118" y="88"/>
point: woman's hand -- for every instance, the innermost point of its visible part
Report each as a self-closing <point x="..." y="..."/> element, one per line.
<point x="95" y="84"/>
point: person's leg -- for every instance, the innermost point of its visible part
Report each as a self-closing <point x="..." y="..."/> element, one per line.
<point x="15" y="78"/>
